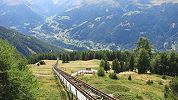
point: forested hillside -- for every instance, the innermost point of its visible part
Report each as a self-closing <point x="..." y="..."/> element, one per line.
<point x="16" y="81"/>
<point x="26" y="45"/>
<point x="143" y="59"/>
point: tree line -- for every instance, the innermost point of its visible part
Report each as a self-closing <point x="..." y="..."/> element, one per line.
<point x="81" y="55"/>
<point x="142" y="58"/>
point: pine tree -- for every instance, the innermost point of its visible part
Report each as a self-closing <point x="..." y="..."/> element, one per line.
<point x="105" y="64"/>
<point x="143" y="62"/>
<point x="132" y="63"/>
<point x="172" y="64"/>
<point x="123" y="67"/>
<point x="67" y="58"/>
<point x="100" y="72"/>
<point x="130" y="78"/>
<point x="164" y="64"/>
<point x="143" y="43"/>
<point x="113" y="76"/>
<point x="102" y="63"/>
<point x="116" y="66"/>
<point x="63" y="58"/>
<point x="143" y="55"/>
<point x="16" y="81"/>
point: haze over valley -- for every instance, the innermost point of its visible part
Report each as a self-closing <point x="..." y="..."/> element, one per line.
<point x="94" y="24"/>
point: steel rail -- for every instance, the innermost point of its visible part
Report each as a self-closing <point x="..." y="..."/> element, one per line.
<point x="87" y="95"/>
<point x="82" y="86"/>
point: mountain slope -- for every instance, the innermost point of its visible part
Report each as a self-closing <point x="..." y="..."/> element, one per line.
<point x="95" y="24"/>
<point x="114" y="24"/>
<point x="19" y="15"/>
<point x="26" y="45"/>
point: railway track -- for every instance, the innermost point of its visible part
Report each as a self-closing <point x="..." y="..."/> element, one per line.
<point x="80" y="89"/>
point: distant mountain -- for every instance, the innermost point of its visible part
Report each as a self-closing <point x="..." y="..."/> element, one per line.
<point x="19" y="15"/>
<point x="113" y="24"/>
<point x="26" y="45"/>
<point x="101" y="24"/>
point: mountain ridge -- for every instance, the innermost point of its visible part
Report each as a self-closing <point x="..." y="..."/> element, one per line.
<point x="91" y="24"/>
<point x="26" y="45"/>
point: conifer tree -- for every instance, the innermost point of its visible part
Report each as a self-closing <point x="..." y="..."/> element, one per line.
<point x="16" y="81"/>
<point x="63" y="58"/>
<point x="116" y="66"/>
<point x="105" y="64"/>
<point x="143" y="55"/>
<point x="143" y="62"/>
<point x="132" y="63"/>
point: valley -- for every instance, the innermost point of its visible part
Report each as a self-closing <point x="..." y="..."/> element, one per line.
<point x="88" y="49"/>
<point x="95" y="25"/>
<point x="26" y="45"/>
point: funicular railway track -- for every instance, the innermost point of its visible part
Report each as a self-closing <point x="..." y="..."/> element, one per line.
<point x="80" y="89"/>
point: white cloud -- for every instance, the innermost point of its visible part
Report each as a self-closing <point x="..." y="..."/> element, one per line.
<point x="159" y="2"/>
<point x="98" y="19"/>
<point x="13" y="2"/>
<point x="107" y="10"/>
<point x="109" y="17"/>
<point x="80" y="3"/>
<point x="173" y="25"/>
<point x="46" y="1"/>
<point x="91" y="26"/>
<point x="63" y="18"/>
<point x="76" y="4"/>
<point x="132" y="13"/>
<point x="103" y="2"/>
<point x="56" y="1"/>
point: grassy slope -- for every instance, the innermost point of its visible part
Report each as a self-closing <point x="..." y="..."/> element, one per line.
<point x="74" y="66"/>
<point x="50" y="88"/>
<point x="122" y="89"/>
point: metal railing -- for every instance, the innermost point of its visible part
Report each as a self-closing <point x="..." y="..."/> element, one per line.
<point x="80" y="89"/>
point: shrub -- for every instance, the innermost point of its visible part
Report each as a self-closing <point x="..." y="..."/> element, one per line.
<point x="130" y="78"/>
<point x="166" y="91"/>
<point x="164" y="77"/>
<point x="110" y="89"/>
<point x="100" y="72"/>
<point x="168" y="94"/>
<point x="127" y="96"/>
<point x="63" y="95"/>
<point x="174" y="86"/>
<point x="149" y="82"/>
<point x="113" y="76"/>
<point x="139" y="97"/>
<point x="42" y="62"/>
<point x="38" y="64"/>
<point x="160" y="83"/>
<point x="151" y="95"/>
